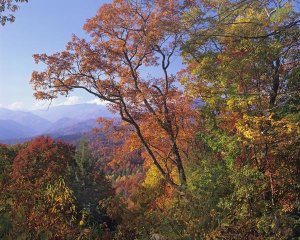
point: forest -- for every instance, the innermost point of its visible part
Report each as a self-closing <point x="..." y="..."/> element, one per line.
<point x="206" y="142"/>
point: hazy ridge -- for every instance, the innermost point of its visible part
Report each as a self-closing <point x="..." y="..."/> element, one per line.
<point x="66" y="121"/>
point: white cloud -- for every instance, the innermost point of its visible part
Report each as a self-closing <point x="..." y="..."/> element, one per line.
<point x="41" y="105"/>
<point x="70" y="101"/>
<point x="97" y="101"/>
<point x="16" y="106"/>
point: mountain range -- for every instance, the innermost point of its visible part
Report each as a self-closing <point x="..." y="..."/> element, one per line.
<point x="59" y="121"/>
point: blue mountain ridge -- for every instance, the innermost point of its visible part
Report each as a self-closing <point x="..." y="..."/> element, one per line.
<point x="58" y="122"/>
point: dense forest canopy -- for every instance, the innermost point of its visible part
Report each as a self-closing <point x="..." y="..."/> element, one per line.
<point x="209" y="151"/>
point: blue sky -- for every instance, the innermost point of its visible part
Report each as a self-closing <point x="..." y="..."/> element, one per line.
<point x="41" y="26"/>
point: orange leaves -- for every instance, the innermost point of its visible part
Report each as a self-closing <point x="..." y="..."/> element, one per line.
<point x="130" y="40"/>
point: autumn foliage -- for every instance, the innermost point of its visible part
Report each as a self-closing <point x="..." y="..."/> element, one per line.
<point x="130" y="40"/>
<point x="7" y="9"/>
<point x="42" y="195"/>
<point x="206" y="142"/>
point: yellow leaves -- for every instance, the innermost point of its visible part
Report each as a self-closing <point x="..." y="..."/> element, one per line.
<point x="240" y="104"/>
<point x="231" y="103"/>
<point x="153" y="178"/>
<point x="81" y="222"/>
<point x="267" y="128"/>
<point x="60" y="197"/>
<point x="249" y="22"/>
<point x="250" y="126"/>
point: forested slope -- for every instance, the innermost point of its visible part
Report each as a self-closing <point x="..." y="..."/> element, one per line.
<point x="209" y="150"/>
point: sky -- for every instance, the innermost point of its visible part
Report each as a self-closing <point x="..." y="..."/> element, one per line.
<point x="41" y="26"/>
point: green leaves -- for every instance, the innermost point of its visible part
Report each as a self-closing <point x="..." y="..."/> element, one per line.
<point x="242" y="68"/>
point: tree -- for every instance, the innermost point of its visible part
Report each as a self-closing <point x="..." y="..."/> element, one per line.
<point x="245" y="68"/>
<point x="48" y="194"/>
<point x="7" y="8"/>
<point x="90" y="186"/>
<point x="129" y="40"/>
<point x="7" y="154"/>
<point x="41" y="201"/>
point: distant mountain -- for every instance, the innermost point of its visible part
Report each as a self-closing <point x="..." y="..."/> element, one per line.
<point x="64" y="122"/>
<point x="77" y="112"/>
<point x="69" y="127"/>
<point x="27" y="119"/>
<point x="71" y="138"/>
<point x="61" y="124"/>
<point x="11" y="129"/>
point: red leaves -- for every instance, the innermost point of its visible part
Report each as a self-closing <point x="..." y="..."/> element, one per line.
<point x="41" y="161"/>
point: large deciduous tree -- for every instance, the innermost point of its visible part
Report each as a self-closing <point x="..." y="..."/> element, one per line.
<point x="127" y="63"/>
